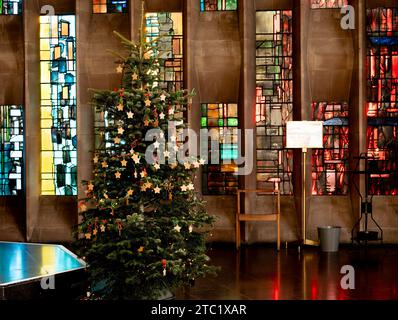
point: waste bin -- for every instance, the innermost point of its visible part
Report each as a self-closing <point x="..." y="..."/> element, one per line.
<point x="329" y="237"/>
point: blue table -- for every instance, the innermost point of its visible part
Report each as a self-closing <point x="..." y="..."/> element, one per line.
<point x="25" y="262"/>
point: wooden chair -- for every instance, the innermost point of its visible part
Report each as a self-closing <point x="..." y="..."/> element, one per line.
<point x="273" y="216"/>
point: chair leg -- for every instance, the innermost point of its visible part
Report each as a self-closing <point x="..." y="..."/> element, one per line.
<point x="237" y="235"/>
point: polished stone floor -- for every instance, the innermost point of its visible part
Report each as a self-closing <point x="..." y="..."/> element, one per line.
<point x="260" y="273"/>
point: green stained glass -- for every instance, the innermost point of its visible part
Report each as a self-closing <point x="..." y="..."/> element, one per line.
<point x="219" y="178"/>
<point x="10" y="7"/>
<point x="218" y="5"/>
<point x="229" y="152"/>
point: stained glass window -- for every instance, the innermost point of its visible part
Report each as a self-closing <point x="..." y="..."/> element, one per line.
<point x="110" y="6"/>
<point x="10" y="7"/>
<point x="330" y="164"/>
<point x="12" y="148"/>
<point x="221" y="119"/>
<point x="274" y="99"/>
<point x="382" y="100"/>
<point x="167" y="28"/>
<point x="328" y="4"/>
<point x="58" y="105"/>
<point x="218" y="5"/>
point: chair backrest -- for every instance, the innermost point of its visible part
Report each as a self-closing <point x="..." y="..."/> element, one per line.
<point x="260" y="192"/>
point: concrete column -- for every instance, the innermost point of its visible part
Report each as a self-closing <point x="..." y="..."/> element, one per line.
<point x="32" y="113"/>
<point x="358" y="121"/>
<point x="12" y="208"/>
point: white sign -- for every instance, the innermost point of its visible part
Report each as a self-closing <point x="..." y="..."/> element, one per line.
<point x="304" y="134"/>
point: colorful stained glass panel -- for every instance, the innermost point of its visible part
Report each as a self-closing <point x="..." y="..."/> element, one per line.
<point x="330" y="164"/>
<point x="58" y="105"/>
<point x="166" y="29"/>
<point x="382" y="100"/>
<point x="221" y="119"/>
<point x="110" y="6"/>
<point x="328" y="4"/>
<point x="12" y="150"/>
<point x="274" y="99"/>
<point x="10" y="7"/>
<point x="218" y="5"/>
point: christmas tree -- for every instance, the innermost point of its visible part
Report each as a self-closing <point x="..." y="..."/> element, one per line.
<point x="142" y="226"/>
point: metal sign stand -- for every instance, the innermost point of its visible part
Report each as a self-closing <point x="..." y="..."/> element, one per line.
<point x="305" y="241"/>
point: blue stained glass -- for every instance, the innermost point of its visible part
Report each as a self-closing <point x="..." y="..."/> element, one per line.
<point x="10" y="7"/>
<point x="222" y="120"/>
<point x="384" y="41"/>
<point x="110" y="6"/>
<point x="58" y="107"/>
<point x="11" y="150"/>
<point x="229" y="152"/>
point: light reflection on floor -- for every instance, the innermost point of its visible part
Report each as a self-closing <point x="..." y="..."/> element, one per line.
<point x="260" y="273"/>
<point x="21" y="261"/>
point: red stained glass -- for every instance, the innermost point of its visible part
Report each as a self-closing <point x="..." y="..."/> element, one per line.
<point x="329" y="165"/>
<point x="328" y="4"/>
<point x="382" y="100"/>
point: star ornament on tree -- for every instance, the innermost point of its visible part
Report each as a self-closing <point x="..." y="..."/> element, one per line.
<point x="130" y="115"/>
<point x="147" y="102"/>
<point x="157" y="190"/>
<point x="123" y="163"/>
<point x="120" y="130"/>
<point x="136" y="158"/>
<point x="120" y="107"/>
<point x="119" y="69"/>
<point x="134" y="76"/>
<point x="118" y="175"/>
<point x="177" y="228"/>
<point x="163" y="97"/>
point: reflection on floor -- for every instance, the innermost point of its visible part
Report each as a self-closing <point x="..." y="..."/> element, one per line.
<point x="260" y="273"/>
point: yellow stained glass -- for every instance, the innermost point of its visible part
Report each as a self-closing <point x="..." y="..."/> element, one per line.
<point x="46" y="162"/>
<point x="46" y="142"/>
<point x="57" y="52"/>
<point x="65" y="93"/>
<point x="64" y="29"/>
<point x="232" y="110"/>
<point x="177" y="22"/>
<point x="46" y="123"/>
<point x="46" y="93"/>
<point x="44" y="72"/>
<point x="46" y="112"/>
<point x="44" y="45"/>
<point x="47" y="187"/>
<point x="44" y="30"/>
<point x="44" y="55"/>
